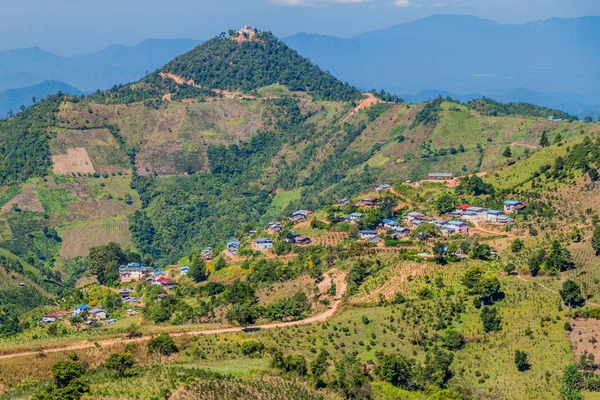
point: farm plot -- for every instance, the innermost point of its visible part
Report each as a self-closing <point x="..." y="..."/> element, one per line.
<point x="330" y="238"/>
<point x="26" y="201"/>
<point x="78" y="240"/>
<point x="76" y="160"/>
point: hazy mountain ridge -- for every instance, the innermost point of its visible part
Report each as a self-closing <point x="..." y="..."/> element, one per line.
<point x="13" y="99"/>
<point x="114" y="65"/>
<point x="465" y="54"/>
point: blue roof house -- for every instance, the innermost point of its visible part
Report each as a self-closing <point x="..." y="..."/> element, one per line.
<point x="81" y="309"/>
<point x="233" y="246"/>
<point x="183" y="271"/>
<point x="264" y="243"/>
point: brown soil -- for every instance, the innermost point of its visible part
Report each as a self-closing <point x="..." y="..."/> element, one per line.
<point x="76" y="160"/>
<point x="368" y="101"/>
<point x="26" y="201"/>
<point x="583" y="331"/>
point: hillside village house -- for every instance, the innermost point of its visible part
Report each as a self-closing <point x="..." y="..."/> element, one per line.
<point x="369" y="201"/>
<point x="302" y="240"/>
<point x="343" y="202"/>
<point x="166" y="283"/>
<point x="233" y="246"/>
<point x="52" y="317"/>
<point x="367" y="235"/>
<point x="458" y="227"/>
<point x="440" y="176"/>
<point x="412" y="216"/>
<point x="391" y="224"/>
<point x="264" y="243"/>
<point x="480" y="212"/>
<point x="382" y="187"/>
<point x="207" y="253"/>
<point x="160" y="272"/>
<point x="98" y="313"/>
<point x="124" y="293"/>
<point x="81" y="310"/>
<point x="131" y="272"/>
<point x="494" y="215"/>
<point x="274" y="227"/>
<point x="356" y="216"/>
<point x="511" y="206"/>
<point x="401" y="233"/>
<point x="183" y="271"/>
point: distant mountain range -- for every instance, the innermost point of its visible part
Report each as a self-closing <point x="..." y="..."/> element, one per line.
<point x="556" y="60"/>
<point x="114" y="65"/>
<point x="13" y="99"/>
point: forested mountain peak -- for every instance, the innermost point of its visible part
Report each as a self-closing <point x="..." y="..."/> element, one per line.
<point x="229" y="63"/>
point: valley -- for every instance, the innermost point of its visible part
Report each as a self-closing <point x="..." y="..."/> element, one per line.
<point x="241" y="223"/>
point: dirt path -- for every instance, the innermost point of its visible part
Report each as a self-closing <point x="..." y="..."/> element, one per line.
<point x="368" y="101"/>
<point x="546" y="288"/>
<point x="337" y="276"/>
<point x="523" y="144"/>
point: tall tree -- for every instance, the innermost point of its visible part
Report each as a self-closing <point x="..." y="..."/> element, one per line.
<point x="544" y="141"/>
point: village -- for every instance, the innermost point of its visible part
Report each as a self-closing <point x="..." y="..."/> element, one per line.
<point x="389" y="234"/>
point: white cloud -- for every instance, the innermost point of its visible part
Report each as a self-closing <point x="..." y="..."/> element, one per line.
<point x="403" y="3"/>
<point x="314" y="3"/>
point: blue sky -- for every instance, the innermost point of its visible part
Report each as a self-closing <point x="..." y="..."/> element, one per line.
<point x="81" y="26"/>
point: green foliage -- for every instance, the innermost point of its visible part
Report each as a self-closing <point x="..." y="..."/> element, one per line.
<point x="198" y="269"/>
<point x="429" y="114"/>
<point x="294" y="307"/>
<point x="475" y="186"/>
<point x="596" y="239"/>
<point x="292" y="364"/>
<point x="162" y="344"/>
<point x="222" y="63"/>
<point x="426" y="231"/>
<point x="517" y="245"/>
<point x="444" y="202"/>
<point x="120" y="363"/>
<point x="491" y="319"/>
<point x="454" y="340"/>
<point x="104" y="262"/>
<point x="398" y="370"/>
<point x="244" y="314"/>
<point x="521" y="361"/>
<point x="570" y="383"/>
<point x="571" y="294"/>
<point x="491" y="107"/>
<point x="65" y="371"/>
<point x="481" y="252"/>
<point x="507" y="153"/>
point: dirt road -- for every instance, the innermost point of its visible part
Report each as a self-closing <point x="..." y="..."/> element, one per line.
<point x="337" y="276"/>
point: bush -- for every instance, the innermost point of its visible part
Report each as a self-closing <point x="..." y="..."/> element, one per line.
<point x="163" y="345"/>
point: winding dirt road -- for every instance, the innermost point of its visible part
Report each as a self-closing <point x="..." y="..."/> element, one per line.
<point x="337" y="276"/>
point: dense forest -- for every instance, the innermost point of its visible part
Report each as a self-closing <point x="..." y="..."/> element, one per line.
<point x="222" y="63"/>
<point x="495" y="108"/>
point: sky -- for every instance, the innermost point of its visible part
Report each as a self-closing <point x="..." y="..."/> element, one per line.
<point x="69" y="27"/>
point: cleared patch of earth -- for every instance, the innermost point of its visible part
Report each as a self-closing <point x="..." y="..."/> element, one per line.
<point x="76" y="160"/>
<point x="26" y="201"/>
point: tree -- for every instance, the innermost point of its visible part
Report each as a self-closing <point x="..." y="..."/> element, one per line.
<point x="559" y="258"/>
<point x="426" y="231"/>
<point x="350" y="378"/>
<point x="120" y="363"/>
<point x="481" y="252"/>
<point x="397" y="370"/>
<point x="490" y="319"/>
<point x="521" y="361"/>
<point x="510" y="268"/>
<point x="104" y="262"/>
<point x="571" y="379"/>
<point x="507" y="153"/>
<point x="444" y="202"/>
<point x="517" y="245"/>
<point x="162" y="344"/>
<point x="593" y="174"/>
<point x="198" y="269"/>
<point x="454" y="340"/>
<point x="64" y="372"/>
<point x="587" y="119"/>
<point x="571" y="294"/>
<point x="535" y="262"/>
<point x="220" y="264"/>
<point x="544" y="141"/>
<point x="244" y="314"/>
<point x="596" y="239"/>
<point x="575" y="234"/>
<point x="319" y="365"/>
